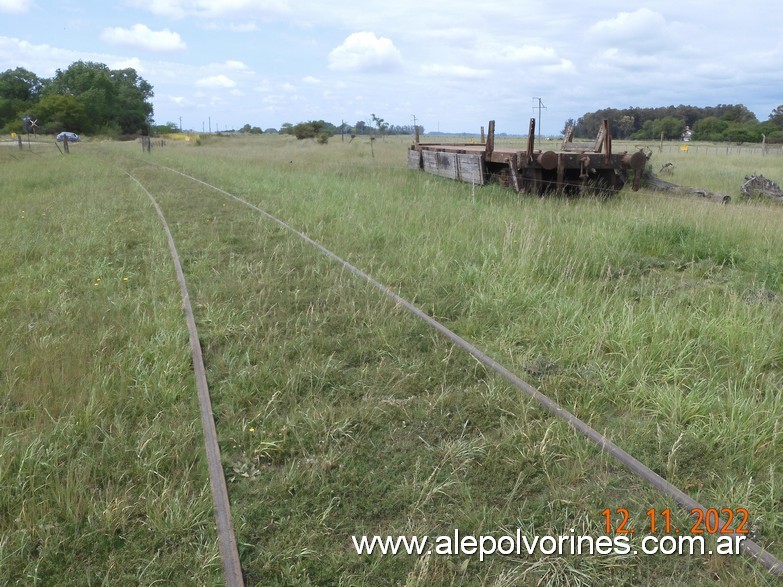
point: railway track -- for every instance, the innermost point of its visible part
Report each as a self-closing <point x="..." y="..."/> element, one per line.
<point x="229" y="555"/>
<point x="230" y="559"/>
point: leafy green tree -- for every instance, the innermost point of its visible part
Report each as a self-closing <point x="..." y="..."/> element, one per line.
<point x="107" y="96"/>
<point x="650" y="122"/>
<point x="132" y="107"/>
<point x="90" y="83"/>
<point x="20" y="90"/>
<point x="380" y="124"/>
<point x="771" y="131"/>
<point x="776" y="117"/>
<point x="60" y="112"/>
<point x="305" y="130"/>
<point x="624" y="126"/>
<point x="743" y="132"/>
<point x="709" y="129"/>
<point x="314" y="129"/>
<point x="738" y="113"/>
<point x="20" y="84"/>
<point x="161" y="129"/>
<point x="254" y="130"/>
<point x="671" y="127"/>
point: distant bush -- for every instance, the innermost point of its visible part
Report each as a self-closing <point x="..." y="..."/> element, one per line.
<point x="314" y="129"/>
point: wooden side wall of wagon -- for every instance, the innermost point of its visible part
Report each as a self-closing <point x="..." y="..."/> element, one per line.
<point x="577" y="168"/>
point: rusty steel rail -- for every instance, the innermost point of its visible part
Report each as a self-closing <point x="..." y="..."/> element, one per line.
<point x="749" y="547"/>
<point x="232" y="569"/>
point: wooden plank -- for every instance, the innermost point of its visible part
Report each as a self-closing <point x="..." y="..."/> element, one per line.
<point x="414" y="159"/>
<point x="599" y="140"/>
<point x="471" y="168"/>
<point x="531" y="134"/>
<point x="490" y="138"/>
<point x="579" y="148"/>
<point x="512" y="168"/>
<point x="443" y="164"/>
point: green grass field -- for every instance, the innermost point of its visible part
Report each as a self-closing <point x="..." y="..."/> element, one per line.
<point x="656" y="319"/>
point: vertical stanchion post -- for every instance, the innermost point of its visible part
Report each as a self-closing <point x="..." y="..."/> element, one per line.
<point x="490" y="139"/>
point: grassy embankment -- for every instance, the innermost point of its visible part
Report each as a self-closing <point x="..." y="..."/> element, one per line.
<point x="656" y="319"/>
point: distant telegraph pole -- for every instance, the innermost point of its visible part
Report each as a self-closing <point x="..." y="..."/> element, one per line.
<point x="539" y="106"/>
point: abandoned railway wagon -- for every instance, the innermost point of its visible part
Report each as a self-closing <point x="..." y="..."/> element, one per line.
<point x="575" y="169"/>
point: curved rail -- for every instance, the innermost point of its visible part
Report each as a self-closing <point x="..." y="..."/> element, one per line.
<point x="749" y="547"/>
<point x="232" y="570"/>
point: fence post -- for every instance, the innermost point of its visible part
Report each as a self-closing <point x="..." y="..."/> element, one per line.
<point x="65" y="144"/>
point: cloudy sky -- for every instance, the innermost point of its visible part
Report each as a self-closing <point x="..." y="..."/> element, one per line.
<point x="453" y="64"/>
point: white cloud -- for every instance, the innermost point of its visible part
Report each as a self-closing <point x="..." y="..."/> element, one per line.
<point x="142" y="37"/>
<point x="216" y="81"/>
<point x="640" y="24"/>
<point x="214" y="8"/>
<point x="236" y="65"/>
<point x="454" y="71"/>
<point x="309" y="79"/>
<point x="43" y="59"/>
<point x="234" y="27"/>
<point x="15" y="6"/>
<point x="170" y="8"/>
<point x="530" y="54"/>
<point x="132" y="63"/>
<point x="365" y="52"/>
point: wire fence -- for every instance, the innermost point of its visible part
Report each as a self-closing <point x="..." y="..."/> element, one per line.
<point x="763" y="150"/>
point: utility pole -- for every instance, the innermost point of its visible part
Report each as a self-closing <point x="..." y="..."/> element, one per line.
<point x="540" y="106"/>
<point x="180" y="124"/>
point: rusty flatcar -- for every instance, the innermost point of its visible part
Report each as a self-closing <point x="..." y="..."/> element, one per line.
<point x="576" y="168"/>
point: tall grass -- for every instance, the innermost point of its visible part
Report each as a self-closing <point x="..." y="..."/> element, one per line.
<point x="101" y="478"/>
<point x="655" y="319"/>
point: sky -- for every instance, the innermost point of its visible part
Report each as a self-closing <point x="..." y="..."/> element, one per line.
<point x="453" y="65"/>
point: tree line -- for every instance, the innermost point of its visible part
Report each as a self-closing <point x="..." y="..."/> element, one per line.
<point x="724" y="122"/>
<point x="322" y="130"/>
<point x="86" y="97"/>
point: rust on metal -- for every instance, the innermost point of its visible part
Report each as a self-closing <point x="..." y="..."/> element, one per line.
<point x="575" y="168"/>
